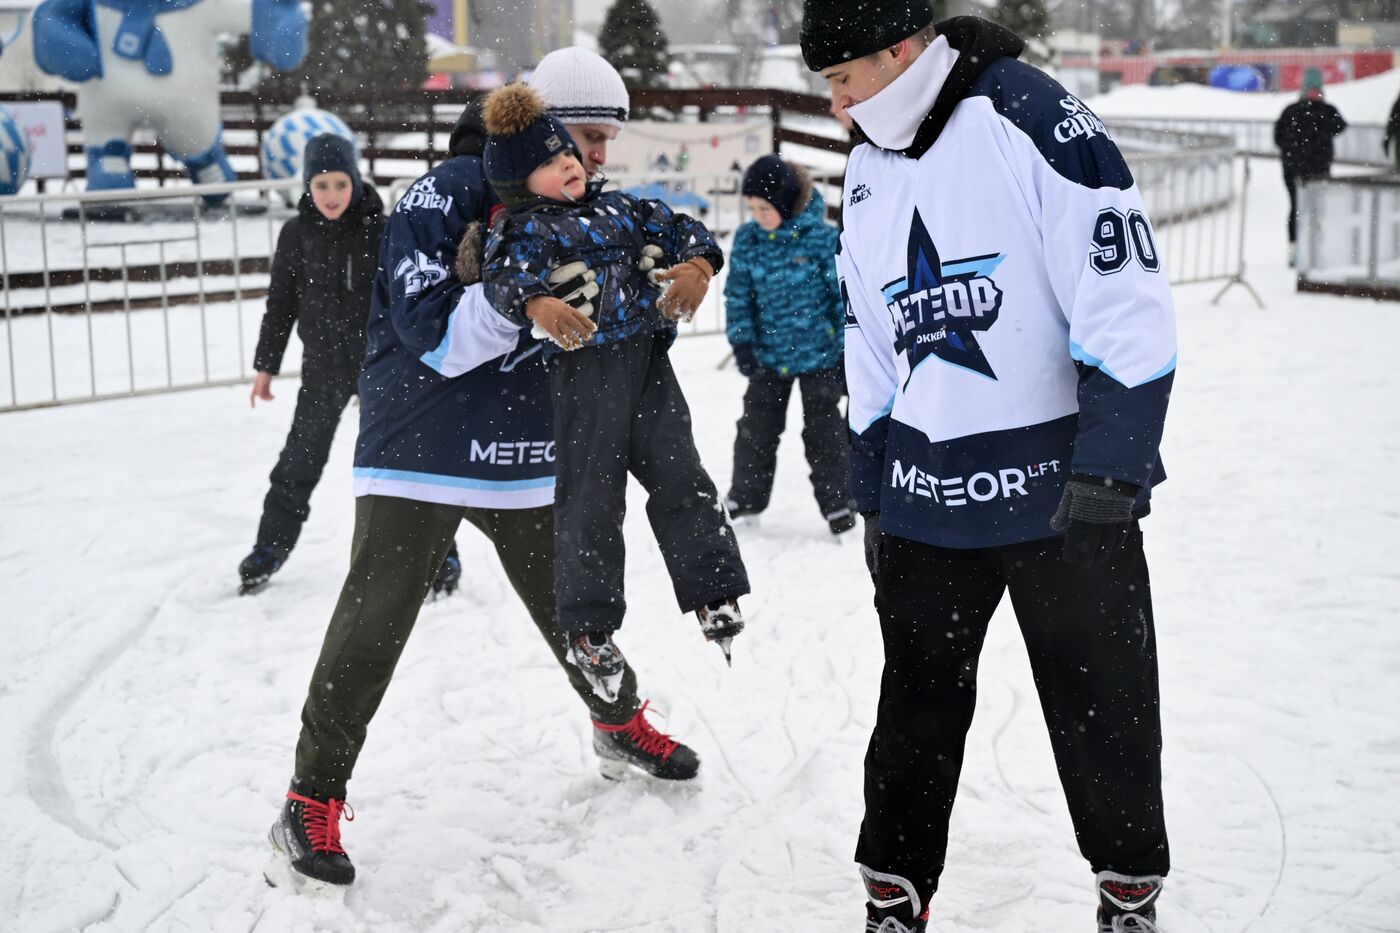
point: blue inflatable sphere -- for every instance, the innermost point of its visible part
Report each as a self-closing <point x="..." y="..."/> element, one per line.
<point x="286" y="140"/>
<point x="14" y="154"/>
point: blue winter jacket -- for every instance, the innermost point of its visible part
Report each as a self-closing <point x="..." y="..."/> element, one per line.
<point x="782" y="295"/>
<point x="433" y="427"/>
<point x="607" y="231"/>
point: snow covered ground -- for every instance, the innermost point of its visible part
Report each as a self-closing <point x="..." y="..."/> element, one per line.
<point x="151" y="714"/>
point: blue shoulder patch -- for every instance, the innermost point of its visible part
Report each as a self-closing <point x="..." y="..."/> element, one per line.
<point x="1066" y="132"/>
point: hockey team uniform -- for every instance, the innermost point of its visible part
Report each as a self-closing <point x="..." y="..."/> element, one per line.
<point x="1009" y="325"/>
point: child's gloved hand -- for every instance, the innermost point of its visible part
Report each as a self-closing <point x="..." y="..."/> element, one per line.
<point x="686" y="284"/>
<point x="552" y="319"/>
<point x="576" y="285"/>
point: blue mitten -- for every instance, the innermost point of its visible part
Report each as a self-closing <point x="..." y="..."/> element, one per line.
<point x="278" y="36"/>
<point x="65" y="40"/>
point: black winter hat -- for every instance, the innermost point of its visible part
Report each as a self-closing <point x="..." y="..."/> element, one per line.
<point x="520" y="136"/>
<point x="836" y="31"/>
<point x="469" y="135"/>
<point x="331" y="153"/>
<point x="773" y="180"/>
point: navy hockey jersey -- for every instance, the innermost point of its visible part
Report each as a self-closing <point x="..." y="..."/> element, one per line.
<point x="1008" y="315"/>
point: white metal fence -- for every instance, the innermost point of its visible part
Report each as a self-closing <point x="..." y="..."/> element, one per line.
<point x="1360" y="144"/>
<point x="1349" y="235"/>
<point x="167" y="295"/>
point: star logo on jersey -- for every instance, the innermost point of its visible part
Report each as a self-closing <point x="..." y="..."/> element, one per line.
<point x="939" y="307"/>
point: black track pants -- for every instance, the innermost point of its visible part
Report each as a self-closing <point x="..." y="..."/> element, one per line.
<point x="618" y="408"/>
<point x="823" y="438"/>
<point x="299" y="466"/>
<point x="399" y="545"/>
<point x="1093" y="655"/>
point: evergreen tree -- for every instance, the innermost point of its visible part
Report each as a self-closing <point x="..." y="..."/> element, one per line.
<point x="359" y="47"/>
<point x="633" y="42"/>
<point x="1030" y="20"/>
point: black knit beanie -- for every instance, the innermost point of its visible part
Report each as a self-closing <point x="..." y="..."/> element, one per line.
<point x="520" y="136"/>
<point x="330" y="153"/>
<point x="773" y="180"/>
<point x="836" y="31"/>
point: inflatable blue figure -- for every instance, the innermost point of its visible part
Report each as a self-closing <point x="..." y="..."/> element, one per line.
<point x="154" y="63"/>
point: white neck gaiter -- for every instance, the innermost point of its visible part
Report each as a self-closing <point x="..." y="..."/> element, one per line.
<point x="892" y="117"/>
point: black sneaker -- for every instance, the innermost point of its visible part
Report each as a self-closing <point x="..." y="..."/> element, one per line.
<point x="258" y="567"/>
<point x="892" y="904"/>
<point x="720" y="621"/>
<point x="449" y="575"/>
<point x="840" y="521"/>
<point x="600" y="661"/>
<point x="306" y="837"/>
<point x="637" y="744"/>
<point x="1128" y="903"/>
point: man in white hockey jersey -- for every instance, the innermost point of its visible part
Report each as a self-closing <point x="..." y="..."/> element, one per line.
<point x="1010" y="349"/>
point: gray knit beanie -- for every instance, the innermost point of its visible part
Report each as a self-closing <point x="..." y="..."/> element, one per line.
<point x="580" y="86"/>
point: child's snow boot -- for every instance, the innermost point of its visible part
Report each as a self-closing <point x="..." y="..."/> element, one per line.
<point x="258" y="567"/>
<point x="449" y="575"/>
<point x="840" y="521"/>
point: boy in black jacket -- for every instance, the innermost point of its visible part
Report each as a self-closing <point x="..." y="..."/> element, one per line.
<point x="322" y="275"/>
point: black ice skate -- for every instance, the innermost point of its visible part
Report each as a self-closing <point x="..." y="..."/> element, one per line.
<point x="1128" y="903"/>
<point x="636" y="744"/>
<point x="720" y="621"/>
<point x="257" y="568"/>
<point x="306" y="843"/>
<point x="840" y="521"/>
<point x="449" y="575"/>
<point x="892" y="904"/>
<point x="600" y="661"/>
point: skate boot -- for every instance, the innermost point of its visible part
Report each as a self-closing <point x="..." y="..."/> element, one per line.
<point x="840" y="521"/>
<point x="720" y="621"/>
<point x="746" y="513"/>
<point x="449" y="575"/>
<point x="1128" y="903"/>
<point x="892" y="904"/>
<point x="600" y="661"/>
<point x="257" y="568"/>
<point x="306" y="840"/>
<point x="636" y="744"/>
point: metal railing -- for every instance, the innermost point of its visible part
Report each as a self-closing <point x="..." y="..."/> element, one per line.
<point x="1360" y="144"/>
<point x="1349" y="236"/>
<point x="61" y="269"/>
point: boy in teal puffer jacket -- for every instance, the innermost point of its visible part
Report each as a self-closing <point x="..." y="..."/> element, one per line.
<point x="786" y="322"/>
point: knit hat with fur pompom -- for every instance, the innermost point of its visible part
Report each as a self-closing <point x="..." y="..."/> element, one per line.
<point x="520" y="136"/>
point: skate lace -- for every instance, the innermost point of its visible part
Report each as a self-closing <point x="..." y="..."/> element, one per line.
<point x="1134" y="923"/>
<point x="322" y="822"/>
<point x="644" y="735"/>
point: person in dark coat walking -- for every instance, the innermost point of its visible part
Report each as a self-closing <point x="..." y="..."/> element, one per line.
<point x="322" y="276"/>
<point x="785" y="320"/>
<point x="1303" y="135"/>
<point x="1392" y="134"/>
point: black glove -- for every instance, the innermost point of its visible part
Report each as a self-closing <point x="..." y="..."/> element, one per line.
<point x="872" y="541"/>
<point x="746" y="360"/>
<point x="1096" y="515"/>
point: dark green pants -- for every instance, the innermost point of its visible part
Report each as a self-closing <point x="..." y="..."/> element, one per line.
<point x="399" y="545"/>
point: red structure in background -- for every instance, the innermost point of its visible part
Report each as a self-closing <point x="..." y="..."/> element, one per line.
<point x="1284" y="68"/>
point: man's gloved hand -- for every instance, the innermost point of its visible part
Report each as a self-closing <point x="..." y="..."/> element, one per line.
<point x="576" y="285"/>
<point x="686" y="284"/>
<point x="746" y="360"/>
<point x="1096" y="515"/>
<point x="872" y="541"/>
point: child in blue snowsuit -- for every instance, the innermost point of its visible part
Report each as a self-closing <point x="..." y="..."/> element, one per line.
<point x="786" y="320"/>
<point x="618" y="407"/>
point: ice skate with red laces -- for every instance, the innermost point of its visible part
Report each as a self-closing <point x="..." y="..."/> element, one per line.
<point x="307" y="854"/>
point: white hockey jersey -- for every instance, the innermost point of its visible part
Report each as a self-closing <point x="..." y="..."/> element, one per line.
<point x="1009" y="321"/>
